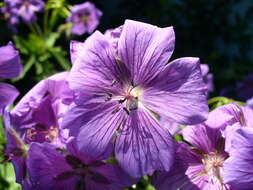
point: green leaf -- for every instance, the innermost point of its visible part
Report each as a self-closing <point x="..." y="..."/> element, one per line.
<point x="31" y="61"/>
<point x="39" y="68"/>
<point x="8" y="178"/>
<point x="21" y="45"/>
<point x="59" y="55"/>
<point x="51" y="39"/>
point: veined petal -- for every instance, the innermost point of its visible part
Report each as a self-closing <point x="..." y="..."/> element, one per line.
<point x="185" y="174"/>
<point x="96" y="69"/>
<point x="55" y="86"/>
<point x="204" y="138"/>
<point x="8" y="94"/>
<point x="238" y="167"/>
<point x="98" y="128"/>
<point x="143" y="146"/>
<point x="178" y="93"/>
<point x="10" y="66"/>
<point x="145" y="49"/>
<point x="46" y="167"/>
<point x="116" y="177"/>
<point x="225" y="115"/>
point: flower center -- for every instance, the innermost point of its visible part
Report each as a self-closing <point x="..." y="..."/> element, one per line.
<point x="39" y="133"/>
<point x="213" y="163"/>
<point x="85" y="18"/>
<point x="132" y="97"/>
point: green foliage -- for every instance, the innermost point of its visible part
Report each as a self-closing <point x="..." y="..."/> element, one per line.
<point x="39" y="49"/>
<point x="144" y="184"/>
<point x="219" y="101"/>
<point x="7" y="177"/>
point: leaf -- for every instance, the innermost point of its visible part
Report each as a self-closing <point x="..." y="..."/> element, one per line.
<point x="8" y="178"/>
<point x="39" y="68"/>
<point x="27" y="67"/>
<point x="51" y="39"/>
<point x="59" y="55"/>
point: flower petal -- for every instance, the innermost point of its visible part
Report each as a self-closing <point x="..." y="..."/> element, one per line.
<point x="8" y="94"/>
<point x="52" y="164"/>
<point x="116" y="177"/>
<point x="55" y="86"/>
<point x="204" y="138"/>
<point x="224" y="116"/>
<point x="76" y="49"/>
<point x="96" y="69"/>
<point x="79" y="28"/>
<point x="143" y="146"/>
<point x="97" y="129"/>
<point x="10" y="66"/>
<point x="186" y="168"/>
<point x="145" y="49"/>
<point x="178" y="93"/>
<point x="238" y="167"/>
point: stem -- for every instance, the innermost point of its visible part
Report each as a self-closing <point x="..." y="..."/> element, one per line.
<point x="46" y="21"/>
<point x="33" y="30"/>
<point x="38" y="29"/>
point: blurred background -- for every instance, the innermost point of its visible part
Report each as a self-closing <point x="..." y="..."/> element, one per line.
<point x="219" y="32"/>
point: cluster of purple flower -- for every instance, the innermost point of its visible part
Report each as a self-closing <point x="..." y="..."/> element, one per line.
<point x="84" y="17"/>
<point x="121" y="100"/>
<point x="25" y="9"/>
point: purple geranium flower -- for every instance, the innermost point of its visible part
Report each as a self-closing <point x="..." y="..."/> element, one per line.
<point x="67" y="169"/>
<point x="27" y="9"/>
<point x="10" y="14"/>
<point x="119" y="95"/>
<point x="238" y="168"/>
<point x="231" y="117"/>
<point x="85" y="18"/>
<point x="199" y="166"/>
<point x="10" y="67"/>
<point x="37" y="118"/>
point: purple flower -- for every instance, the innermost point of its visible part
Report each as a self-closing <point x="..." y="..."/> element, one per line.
<point x="199" y="166"/>
<point x="37" y="118"/>
<point x="10" y="14"/>
<point x="66" y="169"/>
<point x="27" y="9"/>
<point x="208" y="78"/>
<point x="119" y="95"/>
<point x="85" y="18"/>
<point x="10" y="67"/>
<point x="229" y="118"/>
<point x="238" y="167"/>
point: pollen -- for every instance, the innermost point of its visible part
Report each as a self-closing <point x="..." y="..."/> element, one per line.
<point x="213" y="163"/>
